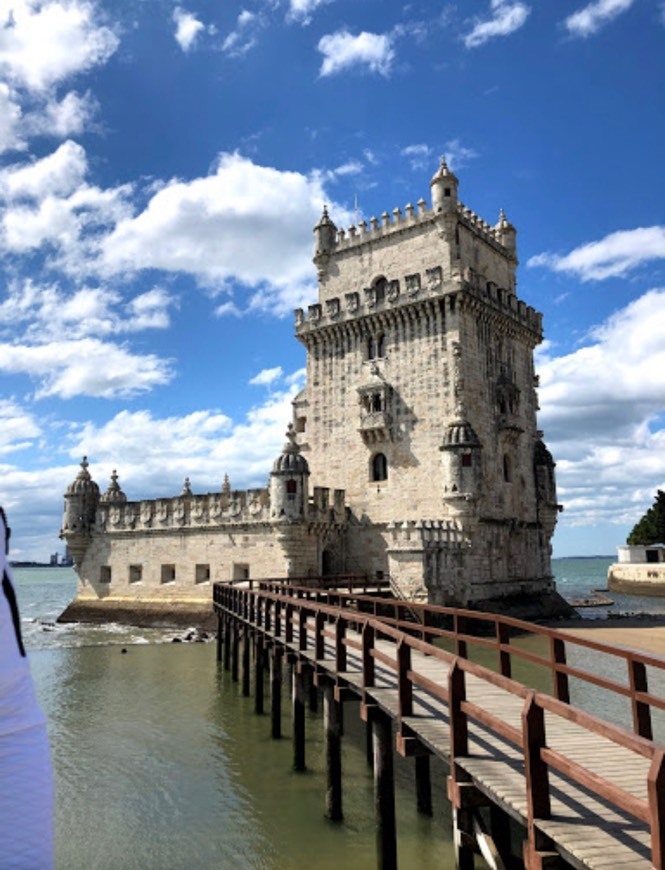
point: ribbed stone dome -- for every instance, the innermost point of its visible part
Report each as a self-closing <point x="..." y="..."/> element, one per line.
<point x="83" y="484"/>
<point x="113" y="494"/>
<point x="290" y="461"/>
<point x="460" y="433"/>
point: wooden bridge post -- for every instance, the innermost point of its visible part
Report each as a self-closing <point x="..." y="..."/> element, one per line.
<point x="561" y="688"/>
<point x="384" y="791"/>
<point x="656" y="792"/>
<point x="235" y="651"/>
<point x="220" y="637"/>
<point x="637" y="675"/>
<point x="258" y="675"/>
<point x="276" y="692"/>
<point x="298" y="708"/>
<point x="245" y="661"/>
<point x="227" y="643"/>
<point x="332" y="722"/>
<point x="537" y="784"/>
<point x="459" y="747"/>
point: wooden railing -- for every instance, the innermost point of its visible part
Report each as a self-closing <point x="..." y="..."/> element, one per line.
<point x="309" y="619"/>
<point x="470" y="628"/>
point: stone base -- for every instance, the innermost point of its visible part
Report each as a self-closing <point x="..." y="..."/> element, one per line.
<point x="144" y="614"/>
<point x="637" y="579"/>
<point x="546" y="606"/>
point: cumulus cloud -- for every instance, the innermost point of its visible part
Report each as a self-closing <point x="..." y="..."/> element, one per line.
<point x="342" y="51"/>
<point x="85" y="367"/>
<point x="18" y="427"/>
<point x="590" y="19"/>
<point x="69" y="116"/>
<point x="188" y="27"/>
<point x="266" y="377"/>
<point x="244" y="222"/>
<point x="301" y="10"/>
<point x="505" y="18"/>
<point x="613" y="256"/>
<point x="10" y="120"/>
<point x="422" y="156"/>
<point x="43" y="42"/>
<point x="243" y="38"/>
<point x="601" y="410"/>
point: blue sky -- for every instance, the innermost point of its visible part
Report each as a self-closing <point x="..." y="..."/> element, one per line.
<point x="162" y="167"/>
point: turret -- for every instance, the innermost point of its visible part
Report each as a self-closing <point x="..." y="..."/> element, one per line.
<point x="444" y="186"/>
<point x="113" y="494"/>
<point x="289" y="487"/>
<point x="81" y="500"/>
<point x="462" y="472"/>
<point x="325" y="235"/>
<point x="507" y="233"/>
<point x="543" y="468"/>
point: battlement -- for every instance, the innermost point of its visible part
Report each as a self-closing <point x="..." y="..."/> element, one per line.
<point x="407" y="289"/>
<point x="416" y="534"/>
<point x="399" y="221"/>
<point x="239" y="508"/>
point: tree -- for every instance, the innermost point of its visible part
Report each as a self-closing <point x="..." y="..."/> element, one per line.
<point x="651" y="528"/>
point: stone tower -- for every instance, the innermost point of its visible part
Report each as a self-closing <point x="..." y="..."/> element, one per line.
<point x="421" y="403"/>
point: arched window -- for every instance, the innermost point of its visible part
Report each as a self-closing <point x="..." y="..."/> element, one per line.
<point x="371" y="348"/>
<point x="381" y="345"/>
<point x="376" y="346"/>
<point x="380" y="289"/>
<point x="379" y="467"/>
<point x="506" y="468"/>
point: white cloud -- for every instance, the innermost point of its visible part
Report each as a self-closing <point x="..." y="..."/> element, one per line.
<point x="342" y="51"/>
<point x="18" y="428"/>
<point x="505" y="19"/>
<point x="243" y="38"/>
<point x="244" y="222"/>
<point x="301" y="10"/>
<point x="602" y="408"/>
<point x="69" y="116"/>
<point x="590" y="19"/>
<point x="86" y="367"/>
<point x="420" y="156"/>
<point x="43" y="42"/>
<point x="458" y="155"/>
<point x="266" y="377"/>
<point x="60" y="173"/>
<point x="10" y="119"/>
<point x="613" y="256"/>
<point x="188" y="27"/>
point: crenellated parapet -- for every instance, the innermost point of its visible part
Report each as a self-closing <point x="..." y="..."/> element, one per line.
<point x="422" y="534"/>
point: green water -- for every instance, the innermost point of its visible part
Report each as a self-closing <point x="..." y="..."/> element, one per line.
<point x="161" y="764"/>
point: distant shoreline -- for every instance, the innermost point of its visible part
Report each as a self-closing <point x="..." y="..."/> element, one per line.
<point x="37" y="565"/>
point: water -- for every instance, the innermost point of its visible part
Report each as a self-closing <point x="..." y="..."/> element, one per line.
<point x="161" y="764"/>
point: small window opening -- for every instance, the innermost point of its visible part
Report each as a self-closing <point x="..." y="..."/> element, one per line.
<point x="466" y="460"/>
<point x="202" y="574"/>
<point x="291" y="489"/>
<point x="240" y="572"/>
<point x="135" y="573"/>
<point x="105" y="574"/>
<point x="168" y="573"/>
<point x="376" y="346"/>
<point x="376" y="402"/>
<point x="379" y="467"/>
<point x="301" y="424"/>
<point x="446" y="191"/>
<point x="506" y="468"/>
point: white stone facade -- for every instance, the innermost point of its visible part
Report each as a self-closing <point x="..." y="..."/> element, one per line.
<point x="417" y="425"/>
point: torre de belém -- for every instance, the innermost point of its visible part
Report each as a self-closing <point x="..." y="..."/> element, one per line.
<point x="413" y="453"/>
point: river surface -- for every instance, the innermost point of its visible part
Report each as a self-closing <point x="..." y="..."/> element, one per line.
<point x="160" y="763"/>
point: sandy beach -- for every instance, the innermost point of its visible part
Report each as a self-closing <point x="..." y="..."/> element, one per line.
<point x="626" y="632"/>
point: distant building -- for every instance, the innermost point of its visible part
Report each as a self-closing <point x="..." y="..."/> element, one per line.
<point x="413" y="454"/>
<point x="53" y="559"/>
<point x="640" y="570"/>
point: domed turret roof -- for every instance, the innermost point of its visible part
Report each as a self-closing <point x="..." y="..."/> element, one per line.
<point x="83" y="484"/>
<point x="113" y="493"/>
<point x="460" y="433"/>
<point x="290" y="460"/>
<point x="324" y="220"/>
<point x="443" y="173"/>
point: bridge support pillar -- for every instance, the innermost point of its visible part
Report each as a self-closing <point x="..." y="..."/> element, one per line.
<point x="276" y="693"/>
<point x="298" y="708"/>
<point x="384" y="791"/>
<point x="259" y="661"/>
<point x="423" y="785"/>
<point x="235" y="653"/>
<point x="311" y="689"/>
<point x="245" y="662"/>
<point x="227" y="643"/>
<point x="220" y="633"/>
<point x="332" y="721"/>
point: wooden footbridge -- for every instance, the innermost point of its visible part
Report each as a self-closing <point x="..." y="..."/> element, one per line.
<point x="534" y="781"/>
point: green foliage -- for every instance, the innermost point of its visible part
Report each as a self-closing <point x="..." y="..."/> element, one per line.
<point x="651" y="528"/>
